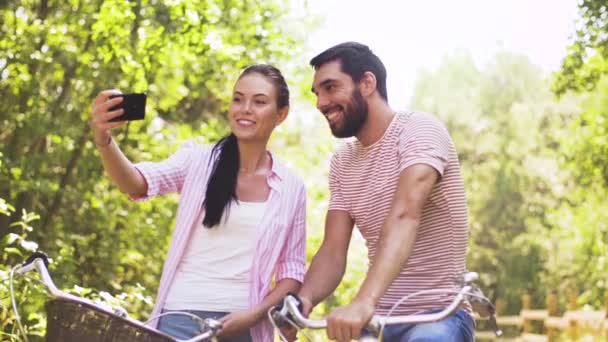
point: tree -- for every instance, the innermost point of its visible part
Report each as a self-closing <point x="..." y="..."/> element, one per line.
<point x="587" y="59"/>
<point x="580" y="233"/>
<point x="505" y="125"/>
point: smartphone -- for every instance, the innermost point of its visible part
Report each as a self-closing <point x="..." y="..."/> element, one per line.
<point x="134" y="105"/>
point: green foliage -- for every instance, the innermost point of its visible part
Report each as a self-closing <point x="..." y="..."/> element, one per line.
<point x="579" y="235"/>
<point x="587" y="59"/>
<point x="31" y="296"/>
<point x="586" y="145"/>
<point x="17" y="244"/>
<point x="579" y="223"/>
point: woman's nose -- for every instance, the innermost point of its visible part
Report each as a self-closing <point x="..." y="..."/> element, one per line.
<point x="248" y="107"/>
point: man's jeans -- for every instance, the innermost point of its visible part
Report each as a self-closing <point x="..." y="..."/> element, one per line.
<point x="184" y="327"/>
<point x="459" y="327"/>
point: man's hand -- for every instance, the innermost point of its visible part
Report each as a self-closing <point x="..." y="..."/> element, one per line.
<point x="306" y="305"/>
<point x="237" y="323"/>
<point x="346" y="323"/>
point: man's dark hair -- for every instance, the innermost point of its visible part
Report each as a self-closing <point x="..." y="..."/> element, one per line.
<point x="355" y="59"/>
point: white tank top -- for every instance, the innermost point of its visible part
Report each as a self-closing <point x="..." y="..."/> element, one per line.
<point x="213" y="274"/>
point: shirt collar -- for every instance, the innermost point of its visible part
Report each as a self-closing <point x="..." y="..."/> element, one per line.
<point x="277" y="173"/>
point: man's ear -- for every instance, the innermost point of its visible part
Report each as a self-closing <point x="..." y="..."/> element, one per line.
<point x="282" y="115"/>
<point x="368" y="83"/>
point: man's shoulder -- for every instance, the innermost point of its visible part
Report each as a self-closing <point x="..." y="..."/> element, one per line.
<point x="414" y="118"/>
<point x="417" y="123"/>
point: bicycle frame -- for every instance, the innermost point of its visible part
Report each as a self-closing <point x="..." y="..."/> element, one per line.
<point x="211" y="326"/>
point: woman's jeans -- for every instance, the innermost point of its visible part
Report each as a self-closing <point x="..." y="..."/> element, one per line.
<point x="184" y="327"/>
<point x="459" y="327"/>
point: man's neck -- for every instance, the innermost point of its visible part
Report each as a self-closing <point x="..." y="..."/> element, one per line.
<point x="380" y="115"/>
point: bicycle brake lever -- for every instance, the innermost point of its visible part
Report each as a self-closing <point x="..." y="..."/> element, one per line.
<point x="484" y="308"/>
<point x="295" y="296"/>
<point x="480" y="303"/>
<point x="280" y="312"/>
<point x="494" y="325"/>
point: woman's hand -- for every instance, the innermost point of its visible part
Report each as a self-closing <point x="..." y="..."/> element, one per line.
<point x="237" y="323"/>
<point x="100" y="114"/>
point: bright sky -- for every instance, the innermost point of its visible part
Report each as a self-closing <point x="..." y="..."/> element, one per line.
<point x="410" y="34"/>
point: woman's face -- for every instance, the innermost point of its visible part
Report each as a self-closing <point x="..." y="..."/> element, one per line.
<point x="253" y="112"/>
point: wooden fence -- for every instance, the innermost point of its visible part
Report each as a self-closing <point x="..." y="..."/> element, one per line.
<point x="572" y="325"/>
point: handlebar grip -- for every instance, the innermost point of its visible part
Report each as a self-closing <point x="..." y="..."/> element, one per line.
<point x="37" y="255"/>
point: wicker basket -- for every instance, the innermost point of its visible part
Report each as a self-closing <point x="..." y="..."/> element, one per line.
<point x="71" y="321"/>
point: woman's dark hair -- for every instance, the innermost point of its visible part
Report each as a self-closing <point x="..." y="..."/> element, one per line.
<point x="355" y="59"/>
<point x="221" y="189"/>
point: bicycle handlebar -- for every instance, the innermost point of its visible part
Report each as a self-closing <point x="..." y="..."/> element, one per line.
<point x="375" y="324"/>
<point x="468" y="291"/>
<point x="38" y="262"/>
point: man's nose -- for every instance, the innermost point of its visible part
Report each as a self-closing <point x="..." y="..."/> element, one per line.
<point x="322" y="102"/>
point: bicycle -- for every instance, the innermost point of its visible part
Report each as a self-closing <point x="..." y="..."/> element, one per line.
<point x="289" y="311"/>
<point x="74" y="319"/>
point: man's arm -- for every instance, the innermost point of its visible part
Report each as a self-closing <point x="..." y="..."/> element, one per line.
<point x="398" y="233"/>
<point x="397" y="237"/>
<point x="328" y="264"/>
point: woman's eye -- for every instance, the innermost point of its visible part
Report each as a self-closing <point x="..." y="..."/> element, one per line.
<point x="236" y="99"/>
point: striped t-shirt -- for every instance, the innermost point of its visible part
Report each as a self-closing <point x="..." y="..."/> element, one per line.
<point x="363" y="181"/>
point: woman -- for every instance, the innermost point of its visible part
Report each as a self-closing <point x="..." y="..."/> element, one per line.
<point x="241" y="217"/>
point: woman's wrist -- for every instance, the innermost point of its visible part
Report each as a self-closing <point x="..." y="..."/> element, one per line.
<point x="104" y="142"/>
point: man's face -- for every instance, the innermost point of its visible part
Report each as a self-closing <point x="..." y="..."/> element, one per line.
<point x="339" y="100"/>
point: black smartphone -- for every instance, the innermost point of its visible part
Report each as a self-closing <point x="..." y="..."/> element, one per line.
<point x="134" y="105"/>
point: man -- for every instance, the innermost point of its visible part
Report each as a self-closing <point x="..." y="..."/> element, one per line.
<point x="399" y="182"/>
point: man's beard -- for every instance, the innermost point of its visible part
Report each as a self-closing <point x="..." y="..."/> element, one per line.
<point x="355" y="115"/>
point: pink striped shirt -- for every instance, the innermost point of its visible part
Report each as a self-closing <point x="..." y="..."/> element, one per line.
<point x="281" y="243"/>
<point x="363" y="181"/>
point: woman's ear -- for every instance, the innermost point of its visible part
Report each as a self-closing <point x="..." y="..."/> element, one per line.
<point x="282" y="115"/>
<point x="368" y="83"/>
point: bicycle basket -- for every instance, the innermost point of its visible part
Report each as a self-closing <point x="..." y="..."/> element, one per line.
<point x="71" y="321"/>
